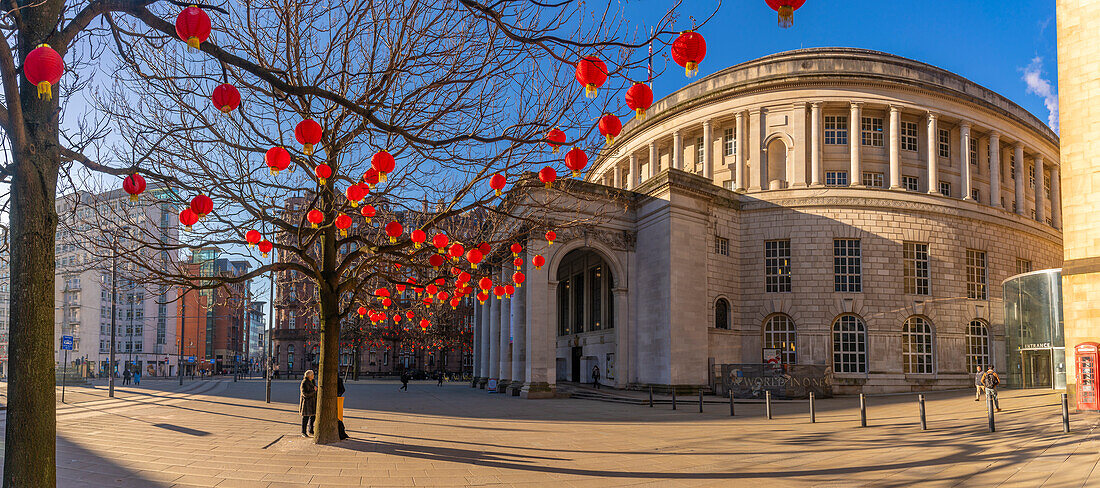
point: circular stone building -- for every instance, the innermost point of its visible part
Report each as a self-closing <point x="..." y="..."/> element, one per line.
<point x="843" y="215"/>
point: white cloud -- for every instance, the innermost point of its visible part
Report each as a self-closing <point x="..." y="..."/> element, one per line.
<point x="1036" y="84"/>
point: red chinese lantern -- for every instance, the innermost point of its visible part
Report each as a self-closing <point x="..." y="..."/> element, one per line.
<point x="516" y="248"/>
<point x="252" y="237"/>
<point x="193" y="26"/>
<point x="343" y="222"/>
<point x="538" y="261"/>
<point x="382" y="292"/>
<point x="265" y="247"/>
<point x="410" y="314"/>
<point x="418" y="237"/>
<point x="463" y="277"/>
<point x="518" y="278"/>
<point x="383" y="163"/>
<point x="315" y="217"/>
<point x="485" y="248"/>
<point x="367" y="211"/>
<point x="454" y="303"/>
<point x="481" y="297"/>
<point x="485" y="283"/>
<point x="443" y="296"/>
<point x="323" y="172"/>
<point x="436" y="260"/>
<point x="43" y="68"/>
<point x="394" y="230"/>
<point x="550" y="236"/>
<point x="498" y="291"/>
<point x="277" y="159"/>
<point x="455" y="251"/>
<point x="226" y="97"/>
<point x="362" y="311"/>
<point x="424" y="323"/>
<point x="355" y="194"/>
<point x="474" y="257"/>
<point x="688" y="51"/>
<point x="547" y="175"/>
<point x="786" y="10"/>
<point x="431" y="289"/>
<point x="591" y="73"/>
<point x="440" y="241"/>
<point x="639" y="97"/>
<point x="509" y="290"/>
<point x="555" y="138"/>
<point x="497" y="183"/>
<point x="518" y="263"/>
<point x="308" y="134"/>
<point x="576" y="160"/>
<point x="134" y="185"/>
<point x="202" y="205"/>
<point x="386" y="302"/>
<point x="610" y="127"/>
<point x="188" y="218"/>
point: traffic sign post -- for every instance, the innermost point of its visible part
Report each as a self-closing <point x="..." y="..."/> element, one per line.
<point x="66" y="345"/>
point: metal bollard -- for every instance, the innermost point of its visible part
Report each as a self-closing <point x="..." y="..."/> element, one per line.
<point x="731" y="403"/>
<point x="923" y="419"/>
<point x="674" y="398"/>
<point x="700" y="400"/>
<point x="862" y="411"/>
<point x="651" y="397"/>
<point x="813" y="413"/>
<point x="989" y="413"/>
<point x="768" y="403"/>
<point x="1065" y="413"/>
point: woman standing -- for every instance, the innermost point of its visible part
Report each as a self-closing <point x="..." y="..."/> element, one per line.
<point x="307" y="406"/>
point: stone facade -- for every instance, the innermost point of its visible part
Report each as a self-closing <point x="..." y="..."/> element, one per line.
<point x="760" y="155"/>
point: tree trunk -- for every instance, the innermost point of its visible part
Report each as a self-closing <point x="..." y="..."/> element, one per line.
<point x="329" y="301"/>
<point x="30" y="436"/>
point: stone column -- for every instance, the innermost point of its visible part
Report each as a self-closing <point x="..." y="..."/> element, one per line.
<point x="815" y="144"/>
<point x="635" y="172"/>
<point x="654" y="160"/>
<point x="541" y="334"/>
<point x="519" y="336"/>
<point x="1055" y="198"/>
<point x="964" y="148"/>
<point x="995" y="169"/>
<point x="1021" y="198"/>
<point x="796" y="163"/>
<point x="759" y="160"/>
<point x="494" y="336"/>
<point x="1040" y="191"/>
<point x="678" y="150"/>
<point x="708" y="164"/>
<point x="895" y="147"/>
<point x="855" y="176"/>
<point x="505" y="304"/>
<point x="933" y="154"/>
<point x="623" y="352"/>
<point x="486" y="342"/>
<point x="477" y="347"/>
<point x="739" y="153"/>
<point x="617" y="176"/>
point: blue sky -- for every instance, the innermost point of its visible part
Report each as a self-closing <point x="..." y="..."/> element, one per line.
<point x="992" y="43"/>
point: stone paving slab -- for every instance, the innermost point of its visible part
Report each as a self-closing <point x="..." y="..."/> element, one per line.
<point x="220" y="433"/>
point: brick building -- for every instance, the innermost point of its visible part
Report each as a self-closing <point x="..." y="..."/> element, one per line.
<point x="212" y="322"/>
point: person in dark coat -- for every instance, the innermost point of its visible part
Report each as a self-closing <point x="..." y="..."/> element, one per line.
<point x="126" y="377"/>
<point x="405" y="381"/>
<point x="442" y="376"/>
<point x="307" y="405"/>
<point x="596" y="376"/>
<point x="340" y="393"/>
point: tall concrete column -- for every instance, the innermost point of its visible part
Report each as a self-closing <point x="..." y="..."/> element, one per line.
<point x="815" y="143"/>
<point x="477" y="347"/>
<point x="541" y="334"/>
<point x="1055" y="198"/>
<point x="678" y="150"/>
<point x="995" y="169"/>
<point x="519" y="335"/>
<point x="708" y="148"/>
<point x="964" y="148"/>
<point x="1021" y="197"/>
<point x="933" y="154"/>
<point x="796" y="165"/>
<point x="1040" y="191"/>
<point x="654" y="160"/>
<point x="635" y="176"/>
<point x="494" y="336"/>
<point x="624" y="358"/>
<point x="486" y="342"/>
<point x="617" y="175"/>
<point x="895" y="147"/>
<point x="739" y="152"/>
<point x="758" y="159"/>
<point x="505" y="304"/>
<point x="855" y="176"/>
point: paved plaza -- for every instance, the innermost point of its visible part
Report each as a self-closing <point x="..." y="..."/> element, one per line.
<point x="221" y="433"/>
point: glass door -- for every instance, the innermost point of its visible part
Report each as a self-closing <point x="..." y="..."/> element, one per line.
<point x="1037" y="371"/>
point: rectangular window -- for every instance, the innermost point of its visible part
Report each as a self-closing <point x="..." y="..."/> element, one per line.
<point x="945" y="143"/>
<point x="728" y="184"/>
<point x="915" y="265"/>
<point x="836" y="129"/>
<point x="871" y="131"/>
<point x="911" y="183"/>
<point x="1012" y="166"/>
<point x="875" y="180"/>
<point x="728" y="143"/>
<point x="976" y="195"/>
<point x="698" y="154"/>
<point x="1023" y="266"/>
<point x="777" y="266"/>
<point x="1031" y="175"/>
<point x="945" y="188"/>
<point x="576" y="285"/>
<point x="973" y="151"/>
<point x="908" y="136"/>
<point x="721" y="246"/>
<point x="836" y="178"/>
<point x="1046" y="185"/>
<point x="595" y="297"/>
<point x="975" y="275"/>
<point x="563" y="307"/>
<point x="846" y="266"/>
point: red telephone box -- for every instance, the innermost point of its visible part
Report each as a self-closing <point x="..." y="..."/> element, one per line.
<point x="1088" y="359"/>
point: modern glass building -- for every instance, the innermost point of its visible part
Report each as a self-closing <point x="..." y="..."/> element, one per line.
<point x="1034" y="340"/>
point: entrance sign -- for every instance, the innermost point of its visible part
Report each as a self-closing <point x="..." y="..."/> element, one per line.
<point x="67" y="343"/>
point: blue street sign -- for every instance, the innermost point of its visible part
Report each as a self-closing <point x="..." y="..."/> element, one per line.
<point x="67" y="343"/>
<point x="190" y="359"/>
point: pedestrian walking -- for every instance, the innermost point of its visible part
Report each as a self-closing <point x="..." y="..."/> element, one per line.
<point x="307" y="405"/>
<point x="990" y="380"/>
<point x="596" y="376"/>
<point x="405" y="381"/>
<point x="340" y="419"/>
<point x="442" y="375"/>
<point x="137" y="377"/>
<point x="978" y="384"/>
<point x="126" y="377"/>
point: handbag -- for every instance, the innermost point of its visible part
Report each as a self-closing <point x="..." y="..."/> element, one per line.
<point x="340" y="408"/>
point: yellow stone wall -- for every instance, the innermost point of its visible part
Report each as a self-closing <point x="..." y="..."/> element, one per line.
<point x="1079" y="106"/>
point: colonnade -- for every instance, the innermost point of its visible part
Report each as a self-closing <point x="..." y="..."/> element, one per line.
<point x="500" y="335"/>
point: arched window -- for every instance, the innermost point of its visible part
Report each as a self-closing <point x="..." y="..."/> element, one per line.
<point x="849" y="345"/>
<point x="779" y="334"/>
<point x="585" y="301"/>
<point x="722" y="314"/>
<point x="916" y="346"/>
<point x="977" y="346"/>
